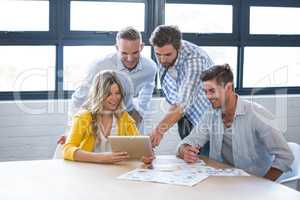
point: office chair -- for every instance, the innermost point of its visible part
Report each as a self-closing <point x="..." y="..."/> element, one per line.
<point x="294" y="175"/>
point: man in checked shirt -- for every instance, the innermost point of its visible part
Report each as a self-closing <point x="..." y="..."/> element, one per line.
<point x="181" y="64"/>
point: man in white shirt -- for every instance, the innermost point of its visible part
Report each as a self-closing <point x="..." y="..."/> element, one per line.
<point x="239" y="131"/>
<point x="136" y="73"/>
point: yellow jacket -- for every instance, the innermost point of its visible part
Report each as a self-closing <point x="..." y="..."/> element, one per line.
<point x="82" y="137"/>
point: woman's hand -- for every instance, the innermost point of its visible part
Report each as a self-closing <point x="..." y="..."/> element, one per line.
<point x="113" y="157"/>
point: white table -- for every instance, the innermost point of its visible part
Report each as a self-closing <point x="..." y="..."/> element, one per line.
<point x="66" y="180"/>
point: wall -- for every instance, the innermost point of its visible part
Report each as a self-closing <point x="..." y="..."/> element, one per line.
<point x="29" y="129"/>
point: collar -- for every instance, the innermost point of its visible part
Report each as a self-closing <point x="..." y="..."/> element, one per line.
<point x="121" y="66"/>
<point x="240" y="106"/>
<point x="178" y="59"/>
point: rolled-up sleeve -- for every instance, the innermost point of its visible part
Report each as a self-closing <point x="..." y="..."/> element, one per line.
<point x="198" y="136"/>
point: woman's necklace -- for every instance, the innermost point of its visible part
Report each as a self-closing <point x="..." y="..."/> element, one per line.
<point x="105" y="124"/>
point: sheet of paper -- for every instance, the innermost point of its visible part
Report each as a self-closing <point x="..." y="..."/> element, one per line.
<point x="179" y="177"/>
<point x="171" y="163"/>
<point x="173" y="170"/>
<point x="210" y="171"/>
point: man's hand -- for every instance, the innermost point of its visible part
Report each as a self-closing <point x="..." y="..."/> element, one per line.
<point x="189" y="153"/>
<point x="155" y="138"/>
<point x="62" y="140"/>
<point x="173" y="115"/>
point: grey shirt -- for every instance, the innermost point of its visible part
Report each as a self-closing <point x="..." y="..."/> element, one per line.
<point x="256" y="144"/>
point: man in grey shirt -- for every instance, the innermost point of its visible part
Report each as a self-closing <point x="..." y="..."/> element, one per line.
<point x="239" y="131"/>
<point x="136" y="74"/>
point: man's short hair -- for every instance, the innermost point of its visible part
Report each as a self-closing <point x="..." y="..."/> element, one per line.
<point x="163" y="35"/>
<point x="129" y="33"/>
<point x="221" y="73"/>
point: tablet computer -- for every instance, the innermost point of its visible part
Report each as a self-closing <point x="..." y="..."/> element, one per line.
<point x="135" y="146"/>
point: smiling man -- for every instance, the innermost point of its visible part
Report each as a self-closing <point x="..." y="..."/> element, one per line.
<point x="239" y="131"/>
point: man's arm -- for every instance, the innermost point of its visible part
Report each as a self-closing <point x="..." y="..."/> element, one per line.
<point x="143" y="100"/>
<point x="186" y="93"/>
<point x="274" y="141"/>
<point x="173" y="115"/>
<point x="190" y="146"/>
<point x="145" y="94"/>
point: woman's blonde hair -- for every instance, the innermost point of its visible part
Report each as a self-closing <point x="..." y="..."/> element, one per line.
<point x="99" y="91"/>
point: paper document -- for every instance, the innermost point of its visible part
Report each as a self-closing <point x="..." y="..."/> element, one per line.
<point x="172" y="170"/>
<point x="210" y="171"/>
<point x="178" y="177"/>
<point x="171" y="163"/>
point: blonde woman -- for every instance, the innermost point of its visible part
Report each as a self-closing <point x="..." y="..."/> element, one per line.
<point x="101" y="115"/>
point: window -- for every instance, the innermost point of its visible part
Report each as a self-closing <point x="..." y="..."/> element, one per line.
<point x="200" y="18"/>
<point x="274" y="20"/>
<point x="271" y="67"/>
<point x="24" y="15"/>
<point x="222" y="55"/>
<point x="106" y="16"/>
<point x="46" y="46"/>
<point x="27" y="68"/>
<point x="78" y="58"/>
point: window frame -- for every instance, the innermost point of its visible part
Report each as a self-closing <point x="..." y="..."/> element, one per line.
<point x="100" y="37"/>
<point x="21" y="36"/>
<point x="266" y="40"/>
<point x="59" y="34"/>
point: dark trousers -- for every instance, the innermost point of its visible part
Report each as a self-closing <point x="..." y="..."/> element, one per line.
<point x="185" y="127"/>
